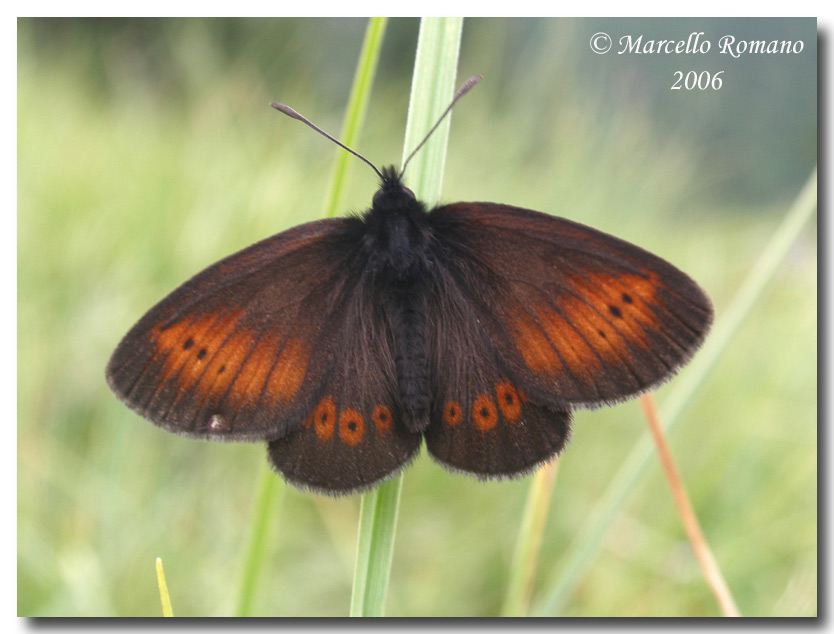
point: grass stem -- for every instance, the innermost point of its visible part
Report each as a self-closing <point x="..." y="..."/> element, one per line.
<point x="525" y="558"/>
<point x="268" y="497"/>
<point x="690" y="521"/>
<point x="432" y="88"/>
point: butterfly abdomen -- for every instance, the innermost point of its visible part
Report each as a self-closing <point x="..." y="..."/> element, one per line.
<point x="396" y="241"/>
<point x="409" y="321"/>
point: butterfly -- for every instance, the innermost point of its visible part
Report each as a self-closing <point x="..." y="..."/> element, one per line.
<point x="345" y="343"/>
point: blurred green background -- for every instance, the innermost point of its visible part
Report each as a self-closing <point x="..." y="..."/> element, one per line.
<point x="147" y="150"/>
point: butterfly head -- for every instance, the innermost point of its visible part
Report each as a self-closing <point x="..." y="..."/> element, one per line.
<point x="392" y="195"/>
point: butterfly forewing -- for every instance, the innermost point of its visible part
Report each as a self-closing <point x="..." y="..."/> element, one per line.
<point x="580" y="317"/>
<point x="240" y="350"/>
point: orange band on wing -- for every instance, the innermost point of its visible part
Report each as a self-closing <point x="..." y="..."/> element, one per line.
<point x="289" y="371"/>
<point x="227" y="362"/>
<point x="574" y="349"/>
<point x="598" y="321"/>
<point x="252" y="373"/>
<point x="215" y="354"/>
<point x="535" y="349"/>
<point x="617" y="309"/>
<point x="186" y="347"/>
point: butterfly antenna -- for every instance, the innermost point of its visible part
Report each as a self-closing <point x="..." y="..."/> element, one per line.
<point x="468" y="85"/>
<point x="292" y="113"/>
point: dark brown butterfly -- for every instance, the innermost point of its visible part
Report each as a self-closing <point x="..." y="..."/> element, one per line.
<point x="345" y="342"/>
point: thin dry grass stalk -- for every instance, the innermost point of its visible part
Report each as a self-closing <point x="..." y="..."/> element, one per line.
<point x="690" y="522"/>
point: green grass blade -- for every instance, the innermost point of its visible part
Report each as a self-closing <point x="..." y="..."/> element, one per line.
<point x="375" y="547"/>
<point x="523" y="567"/>
<point x="269" y="487"/>
<point x="432" y="89"/>
<point x="357" y="108"/>
<point x="164" y="597"/>
<point x="268" y="498"/>
<point x="582" y="551"/>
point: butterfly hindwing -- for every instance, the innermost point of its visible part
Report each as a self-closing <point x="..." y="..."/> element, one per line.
<point x="580" y="317"/>
<point x="355" y="433"/>
<point x="240" y="350"/>
<point x="482" y="420"/>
